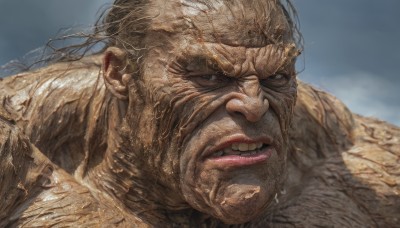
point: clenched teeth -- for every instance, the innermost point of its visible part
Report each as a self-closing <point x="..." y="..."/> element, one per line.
<point x="246" y="146"/>
<point x="242" y="149"/>
<point x="219" y="153"/>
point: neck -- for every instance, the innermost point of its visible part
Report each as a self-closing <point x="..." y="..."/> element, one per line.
<point x="123" y="178"/>
<point x="135" y="190"/>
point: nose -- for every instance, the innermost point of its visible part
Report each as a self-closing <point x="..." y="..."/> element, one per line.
<point x="249" y="102"/>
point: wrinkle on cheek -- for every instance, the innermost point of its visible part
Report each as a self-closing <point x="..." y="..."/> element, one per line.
<point x="176" y="100"/>
<point x="177" y="117"/>
<point x="207" y="187"/>
<point x="282" y="105"/>
<point x="191" y="105"/>
<point x="194" y="119"/>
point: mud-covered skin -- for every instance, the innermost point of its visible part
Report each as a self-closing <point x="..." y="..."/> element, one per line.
<point x="133" y="145"/>
<point x="36" y="193"/>
<point x="201" y="89"/>
<point x="346" y="176"/>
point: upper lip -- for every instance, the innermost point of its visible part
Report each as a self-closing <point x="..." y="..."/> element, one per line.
<point x="238" y="138"/>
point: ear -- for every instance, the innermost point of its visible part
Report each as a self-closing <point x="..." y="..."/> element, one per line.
<point x="116" y="72"/>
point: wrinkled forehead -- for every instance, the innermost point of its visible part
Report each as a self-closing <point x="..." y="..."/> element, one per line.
<point x="251" y="23"/>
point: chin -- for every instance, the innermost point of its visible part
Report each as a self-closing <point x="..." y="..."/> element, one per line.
<point x="236" y="196"/>
<point x="241" y="203"/>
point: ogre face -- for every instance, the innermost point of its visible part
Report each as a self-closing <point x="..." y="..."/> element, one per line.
<point x="219" y="88"/>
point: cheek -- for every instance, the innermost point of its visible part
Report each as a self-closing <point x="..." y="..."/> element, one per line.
<point x="282" y="104"/>
<point x="169" y="118"/>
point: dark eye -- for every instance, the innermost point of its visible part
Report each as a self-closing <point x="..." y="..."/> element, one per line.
<point x="216" y="79"/>
<point x="210" y="77"/>
<point x="276" y="80"/>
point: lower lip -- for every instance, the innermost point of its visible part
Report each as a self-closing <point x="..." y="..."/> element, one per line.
<point x="238" y="161"/>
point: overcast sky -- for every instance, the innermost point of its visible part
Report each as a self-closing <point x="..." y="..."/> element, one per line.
<point x="351" y="46"/>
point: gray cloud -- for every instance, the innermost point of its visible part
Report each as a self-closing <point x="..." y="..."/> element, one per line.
<point x="26" y="25"/>
<point x="352" y="50"/>
<point x="346" y="35"/>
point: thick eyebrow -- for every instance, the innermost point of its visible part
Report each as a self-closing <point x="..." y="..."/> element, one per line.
<point x="198" y="62"/>
<point x="266" y="60"/>
<point x="276" y="59"/>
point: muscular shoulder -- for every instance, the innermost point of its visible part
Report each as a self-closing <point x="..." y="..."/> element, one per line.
<point x="373" y="169"/>
<point x="34" y="192"/>
<point x="52" y="86"/>
<point x="343" y="168"/>
<point x="15" y="161"/>
<point x="52" y="107"/>
<point x="322" y="126"/>
<point x="64" y="201"/>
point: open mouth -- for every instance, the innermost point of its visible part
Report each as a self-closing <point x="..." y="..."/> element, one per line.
<point x="242" y="153"/>
<point x="242" y="149"/>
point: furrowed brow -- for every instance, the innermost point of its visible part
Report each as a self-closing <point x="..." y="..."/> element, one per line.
<point x="199" y="62"/>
